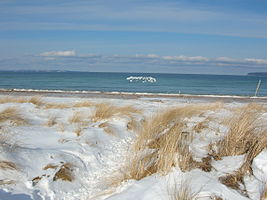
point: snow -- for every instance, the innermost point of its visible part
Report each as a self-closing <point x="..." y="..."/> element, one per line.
<point x="156" y="187"/>
<point x="96" y="155"/>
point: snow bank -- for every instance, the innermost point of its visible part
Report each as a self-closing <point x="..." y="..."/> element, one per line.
<point x="40" y="150"/>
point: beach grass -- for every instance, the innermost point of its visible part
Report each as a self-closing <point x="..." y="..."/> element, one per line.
<point x="12" y="115"/>
<point x="105" y="111"/>
<point x="7" y="165"/>
<point x="184" y="192"/>
<point x="77" y="117"/>
<point x="163" y="142"/>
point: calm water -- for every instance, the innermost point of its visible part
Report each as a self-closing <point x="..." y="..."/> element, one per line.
<point x="166" y="83"/>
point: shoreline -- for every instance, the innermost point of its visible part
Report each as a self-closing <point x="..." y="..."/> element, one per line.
<point x="128" y="95"/>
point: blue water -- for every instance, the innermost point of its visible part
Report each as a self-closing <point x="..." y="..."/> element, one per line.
<point x="166" y="83"/>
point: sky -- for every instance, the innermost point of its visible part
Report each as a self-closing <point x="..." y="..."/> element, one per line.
<point x="165" y="36"/>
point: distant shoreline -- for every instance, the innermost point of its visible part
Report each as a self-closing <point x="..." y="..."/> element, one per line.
<point x="122" y="72"/>
<point x="128" y="95"/>
<point x="258" y="74"/>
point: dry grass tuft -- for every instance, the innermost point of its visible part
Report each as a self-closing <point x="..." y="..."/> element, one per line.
<point x="50" y="166"/>
<point x="183" y="192"/>
<point x="232" y="180"/>
<point x="235" y="180"/>
<point x="7" y="182"/>
<point x="107" y="128"/>
<point x="78" y="131"/>
<point x="205" y="165"/>
<point x="77" y="117"/>
<point x="264" y="193"/>
<point x="133" y="125"/>
<point x="163" y="121"/>
<point x="57" y="106"/>
<point x="127" y="110"/>
<point x="52" y="121"/>
<point x="246" y="136"/>
<point x="4" y="100"/>
<point x="163" y="143"/>
<point x="105" y="111"/>
<point x="7" y="165"/>
<point x="139" y="167"/>
<point x="64" y="173"/>
<point x="36" y="180"/>
<point x="13" y="115"/>
<point x="36" y="100"/>
<point x="84" y="104"/>
<point x="200" y="126"/>
<point x="242" y="132"/>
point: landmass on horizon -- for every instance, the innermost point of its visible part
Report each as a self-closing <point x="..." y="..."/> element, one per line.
<point x="257" y="74"/>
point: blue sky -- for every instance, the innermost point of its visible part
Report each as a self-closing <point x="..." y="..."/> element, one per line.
<point x="205" y="36"/>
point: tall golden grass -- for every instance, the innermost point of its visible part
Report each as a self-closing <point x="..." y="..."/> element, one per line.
<point x="13" y="115"/>
<point x="246" y="136"/>
<point x="163" y="142"/>
<point x="105" y="111"/>
<point x="54" y="105"/>
<point x="243" y="131"/>
<point x="164" y="120"/>
<point x="57" y="105"/>
<point x="37" y="100"/>
<point x="83" y="104"/>
<point x="8" y="99"/>
<point x="77" y="117"/>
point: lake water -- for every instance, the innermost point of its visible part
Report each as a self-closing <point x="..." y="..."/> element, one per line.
<point x="165" y="83"/>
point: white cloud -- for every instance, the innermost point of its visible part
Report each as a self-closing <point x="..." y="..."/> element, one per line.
<point x="186" y="58"/>
<point x="69" y="60"/>
<point x="257" y="61"/>
<point x="159" y="60"/>
<point x="58" y="53"/>
<point x="226" y="59"/>
<point x="147" y="56"/>
<point x="174" y="58"/>
<point x="193" y="58"/>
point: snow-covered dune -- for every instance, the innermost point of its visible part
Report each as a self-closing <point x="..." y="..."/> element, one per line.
<point x="76" y="148"/>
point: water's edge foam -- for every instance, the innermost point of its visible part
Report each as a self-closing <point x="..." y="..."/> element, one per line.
<point x="138" y="94"/>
